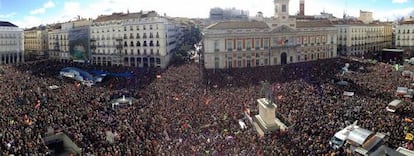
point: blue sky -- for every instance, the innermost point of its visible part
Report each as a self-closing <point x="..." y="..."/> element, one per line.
<point x="28" y="13"/>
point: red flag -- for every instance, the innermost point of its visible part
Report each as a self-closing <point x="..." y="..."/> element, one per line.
<point x="185" y="126"/>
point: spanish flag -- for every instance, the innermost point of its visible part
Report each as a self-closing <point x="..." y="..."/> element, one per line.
<point x="409" y="136"/>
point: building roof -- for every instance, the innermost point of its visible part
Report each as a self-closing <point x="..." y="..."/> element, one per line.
<point x="239" y="25"/>
<point x="359" y="135"/>
<point x="408" y="22"/>
<point x="121" y="16"/>
<point x="313" y="24"/>
<point x="7" y="24"/>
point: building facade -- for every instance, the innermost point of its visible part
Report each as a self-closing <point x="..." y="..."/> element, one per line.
<point x="70" y="41"/>
<point x="278" y="41"/>
<point x="404" y="38"/>
<point x="365" y="16"/>
<point x="11" y="43"/>
<point x="228" y="14"/>
<point x="361" y="39"/>
<point x="36" y="41"/>
<point x="134" y="39"/>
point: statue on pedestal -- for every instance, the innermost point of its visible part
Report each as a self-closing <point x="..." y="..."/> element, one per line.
<point x="266" y="92"/>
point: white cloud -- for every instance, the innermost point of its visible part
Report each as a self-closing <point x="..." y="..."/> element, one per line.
<point x="392" y="14"/>
<point x="9" y="15"/>
<point x="71" y="10"/>
<point x="49" y="4"/>
<point x="29" y="21"/>
<point x="42" y="10"/>
<point x="399" y="1"/>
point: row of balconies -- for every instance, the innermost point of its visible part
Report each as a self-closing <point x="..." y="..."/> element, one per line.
<point x="275" y="47"/>
<point x="125" y="29"/>
<point x="125" y="37"/>
<point x="151" y="44"/>
<point x="399" y="32"/>
<point x="126" y="53"/>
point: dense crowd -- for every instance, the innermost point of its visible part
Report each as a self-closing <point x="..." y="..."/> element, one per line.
<point x="177" y="113"/>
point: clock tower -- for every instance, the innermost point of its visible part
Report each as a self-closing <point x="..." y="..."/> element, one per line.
<point x="281" y="9"/>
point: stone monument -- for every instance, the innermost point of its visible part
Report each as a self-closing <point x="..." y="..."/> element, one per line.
<point x="266" y="121"/>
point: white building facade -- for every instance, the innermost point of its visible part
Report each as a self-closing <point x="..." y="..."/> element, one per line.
<point x="282" y="40"/>
<point x="134" y="39"/>
<point x="405" y="36"/>
<point x="11" y="43"/>
<point x="362" y="39"/>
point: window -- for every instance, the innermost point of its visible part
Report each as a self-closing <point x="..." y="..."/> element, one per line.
<point x="229" y="45"/>
<point x="138" y="44"/>
<point x="284" y="8"/>
<point x="157" y="44"/>
<point x="158" y="60"/>
<point x="216" y="46"/>
<point x="248" y="44"/>
<point x="257" y="44"/>
<point x="216" y="62"/>
<point x="145" y="43"/>
<point x="239" y="45"/>
<point x="132" y="44"/>
<point x="266" y="43"/>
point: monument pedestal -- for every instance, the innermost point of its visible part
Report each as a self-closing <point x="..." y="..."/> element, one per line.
<point x="266" y="121"/>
